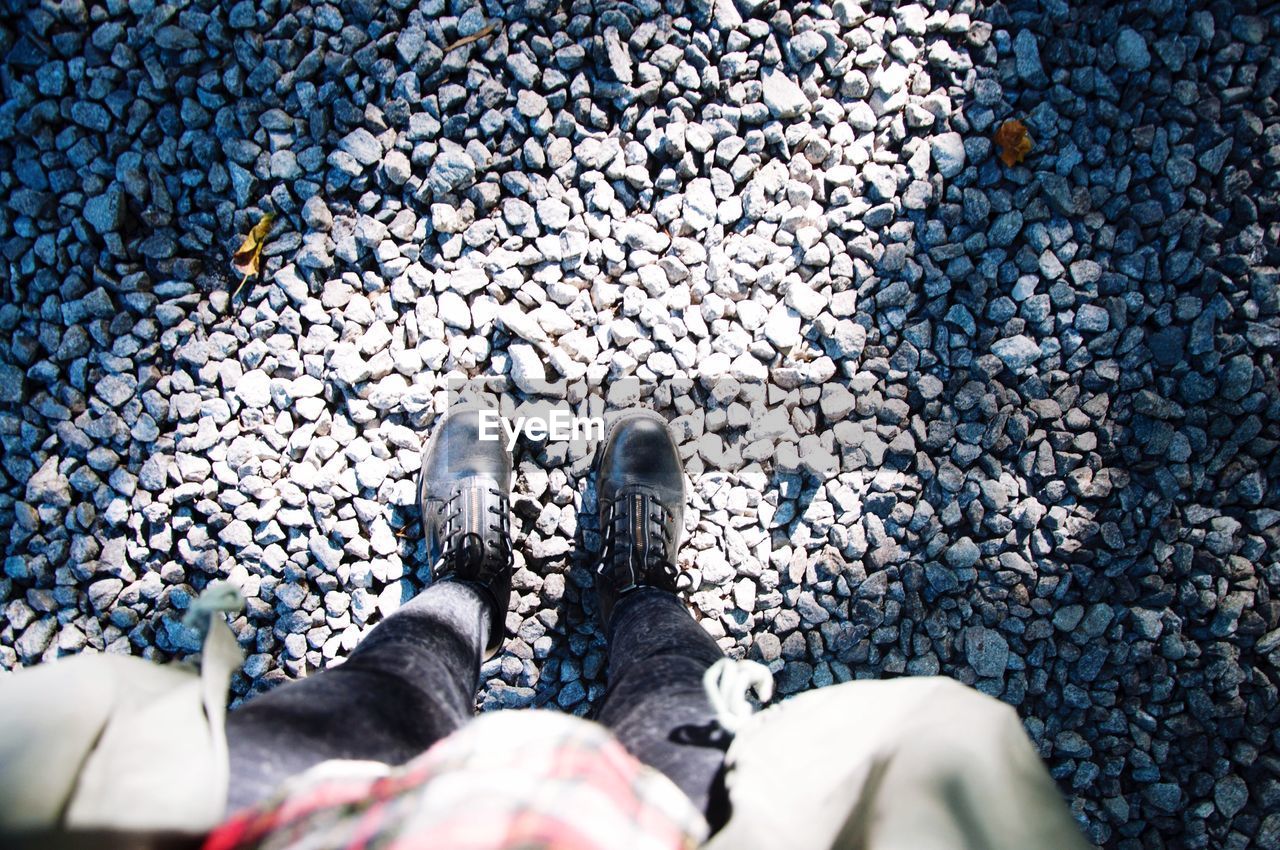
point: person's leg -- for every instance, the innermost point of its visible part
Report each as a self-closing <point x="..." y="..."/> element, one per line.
<point x="410" y="683"/>
<point x="657" y="652"/>
<point x="413" y="679"/>
<point x="656" y="704"/>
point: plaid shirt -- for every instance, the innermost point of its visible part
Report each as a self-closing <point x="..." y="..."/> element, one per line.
<point x="528" y="780"/>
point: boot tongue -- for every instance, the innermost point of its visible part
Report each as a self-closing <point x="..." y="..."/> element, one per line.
<point x="469" y="552"/>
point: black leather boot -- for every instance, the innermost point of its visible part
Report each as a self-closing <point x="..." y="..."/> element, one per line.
<point x="464" y="493"/>
<point x="640" y="490"/>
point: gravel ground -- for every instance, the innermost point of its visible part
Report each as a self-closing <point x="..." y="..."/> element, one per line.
<point x="1012" y="424"/>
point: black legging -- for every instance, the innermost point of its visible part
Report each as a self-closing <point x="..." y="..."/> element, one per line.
<point x="412" y="681"/>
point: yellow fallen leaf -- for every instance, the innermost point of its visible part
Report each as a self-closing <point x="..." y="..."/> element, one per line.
<point x="248" y="260"/>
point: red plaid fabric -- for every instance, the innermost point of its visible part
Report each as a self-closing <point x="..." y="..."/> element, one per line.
<point x="528" y="780"/>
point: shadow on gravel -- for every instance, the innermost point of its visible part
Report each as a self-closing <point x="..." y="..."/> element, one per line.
<point x="1088" y="502"/>
<point x="571" y="674"/>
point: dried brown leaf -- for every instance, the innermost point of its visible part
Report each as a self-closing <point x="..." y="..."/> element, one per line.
<point x="465" y="40"/>
<point x="248" y="259"/>
<point x="1014" y="141"/>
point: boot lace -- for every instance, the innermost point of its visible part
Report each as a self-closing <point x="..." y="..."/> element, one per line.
<point x="635" y="550"/>
<point x="475" y="533"/>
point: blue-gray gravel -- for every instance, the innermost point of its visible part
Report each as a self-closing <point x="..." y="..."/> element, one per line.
<point x="1016" y="425"/>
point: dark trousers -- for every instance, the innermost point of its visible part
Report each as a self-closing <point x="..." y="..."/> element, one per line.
<point x="413" y="680"/>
